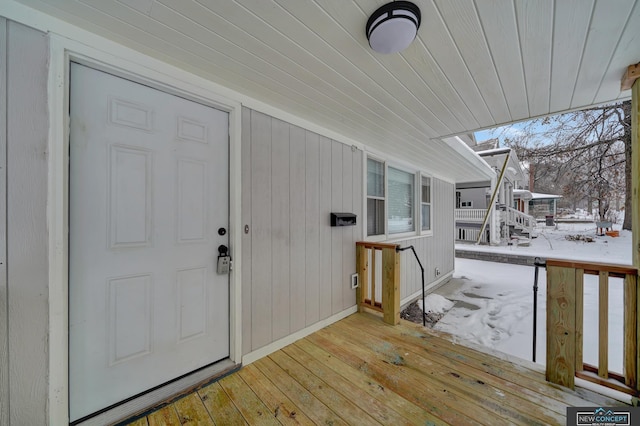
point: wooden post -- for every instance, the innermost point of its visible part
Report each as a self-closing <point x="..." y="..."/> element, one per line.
<point x="635" y="184"/>
<point x="635" y="171"/>
<point x="362" y="268"/>
<point x="391" y="285"/>
<point x="561" y="325"/>
<point x="630" y="368"/>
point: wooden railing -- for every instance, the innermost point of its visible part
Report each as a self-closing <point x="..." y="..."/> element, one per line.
<point x="379" y="286"/>
<point x="470" y="215"/>
<point x="520" y="220"/>
<point x="565" y="319"/>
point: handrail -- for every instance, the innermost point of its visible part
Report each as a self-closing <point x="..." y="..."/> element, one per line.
<point x="389" y="272"/>
<point x="518" y="218"/>
<point x="565" y="317"/>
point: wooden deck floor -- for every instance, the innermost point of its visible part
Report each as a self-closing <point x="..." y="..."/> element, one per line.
<point x="361" y="371"/>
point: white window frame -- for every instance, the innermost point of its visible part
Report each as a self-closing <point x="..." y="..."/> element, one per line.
<point x="383" y="236"/>
<point x="416" y="230"/>
<point x="417" y="209"/>
<point x="425" y="232"/>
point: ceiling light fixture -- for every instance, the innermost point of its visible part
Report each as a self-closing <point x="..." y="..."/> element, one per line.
<point x="393" y="26"/>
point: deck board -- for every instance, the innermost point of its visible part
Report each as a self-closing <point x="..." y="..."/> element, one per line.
<point x="285" y="411"/>
<point x="362" y="371"/>
<point x="166" y="416"/>
<point x="220" y="406"/>
<point x="460" y="381"/>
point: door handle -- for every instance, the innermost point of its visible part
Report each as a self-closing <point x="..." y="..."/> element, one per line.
<point x="224" y="260"/>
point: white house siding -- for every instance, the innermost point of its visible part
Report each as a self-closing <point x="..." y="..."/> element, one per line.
<point x="24" y="269"/>
<point x="296" y="267"/>
<point x="436" y="251"/>
<point x="478" y="196"/>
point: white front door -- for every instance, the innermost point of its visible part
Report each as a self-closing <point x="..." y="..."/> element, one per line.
<point x="148" y="209"/>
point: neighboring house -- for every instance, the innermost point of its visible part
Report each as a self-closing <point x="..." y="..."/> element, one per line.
<point x="488" y="211"/>
<point x="170" y="169"/>
<point x="542" y="206"/>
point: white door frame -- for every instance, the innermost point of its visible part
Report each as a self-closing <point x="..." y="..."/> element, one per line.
<point x="123" y="62"/>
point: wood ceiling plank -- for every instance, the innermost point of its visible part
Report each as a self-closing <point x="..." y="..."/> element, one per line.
<point x="278" y="95"/>
<point x="535" y="30"/>
<point x="358" y="63"/>
<point x="610" y="86"/>
<point x="571" y="23"/>
<point x="191" y="55"/>
<point x="258" y="56"/>
<point x="605" y="32"/>
<point x="240" y="61"/>
<point x="439" y="112"/>
<point x="437" y="40"/>
<point x="464" y="26"/>
<point x="212" y="29"/>
<point x="501" y="31"/>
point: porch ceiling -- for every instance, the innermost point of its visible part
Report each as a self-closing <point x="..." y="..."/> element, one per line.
<point x="475" y="64"/>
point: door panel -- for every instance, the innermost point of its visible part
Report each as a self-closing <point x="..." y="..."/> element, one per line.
<point x="148" y="191"/>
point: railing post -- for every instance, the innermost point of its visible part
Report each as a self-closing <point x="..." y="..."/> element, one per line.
<point x="362" y="268"/>
<point x="561" y="325"/>
<point x="631" y="331"/>
<point x="603" y="324"/>
<point x="391" y="285"/>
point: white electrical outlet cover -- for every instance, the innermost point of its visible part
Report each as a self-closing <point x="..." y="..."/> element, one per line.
<point x="354" y="280"/>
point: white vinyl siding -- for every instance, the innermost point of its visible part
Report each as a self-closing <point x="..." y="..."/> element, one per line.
<point x="295" y="266"/>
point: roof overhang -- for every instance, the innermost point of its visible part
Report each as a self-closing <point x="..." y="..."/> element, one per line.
<point x="473" y="65"/>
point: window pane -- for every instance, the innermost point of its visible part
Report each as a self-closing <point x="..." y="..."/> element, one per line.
<point x="375" y="178"/>
<point x="375" y="217"/>
<point x="401" y="203"/>
<point x="426" y="189"/>
<point x="426" y="217"/>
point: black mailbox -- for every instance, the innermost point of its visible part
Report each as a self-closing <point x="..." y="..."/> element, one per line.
<point x="343" y="219"/>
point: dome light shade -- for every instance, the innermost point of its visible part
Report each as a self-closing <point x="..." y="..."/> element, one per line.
<point x="393" y="26"/>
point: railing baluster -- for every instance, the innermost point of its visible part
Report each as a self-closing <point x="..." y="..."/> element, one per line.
<point x="603" y="324"/>
<point x="374" y="255"/>
<point x="579" y="319"/>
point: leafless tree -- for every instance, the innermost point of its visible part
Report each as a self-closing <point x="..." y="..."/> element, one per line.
<point x="582" y="155"/>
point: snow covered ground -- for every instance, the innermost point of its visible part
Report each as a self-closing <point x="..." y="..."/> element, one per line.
<point x="552" y="243"/>
<point x="493" y="302"/>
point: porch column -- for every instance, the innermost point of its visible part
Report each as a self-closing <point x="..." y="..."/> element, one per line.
<point x="494" y="219"/>
<point x="634" y="70"/>
<point x="629" y="80"/>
